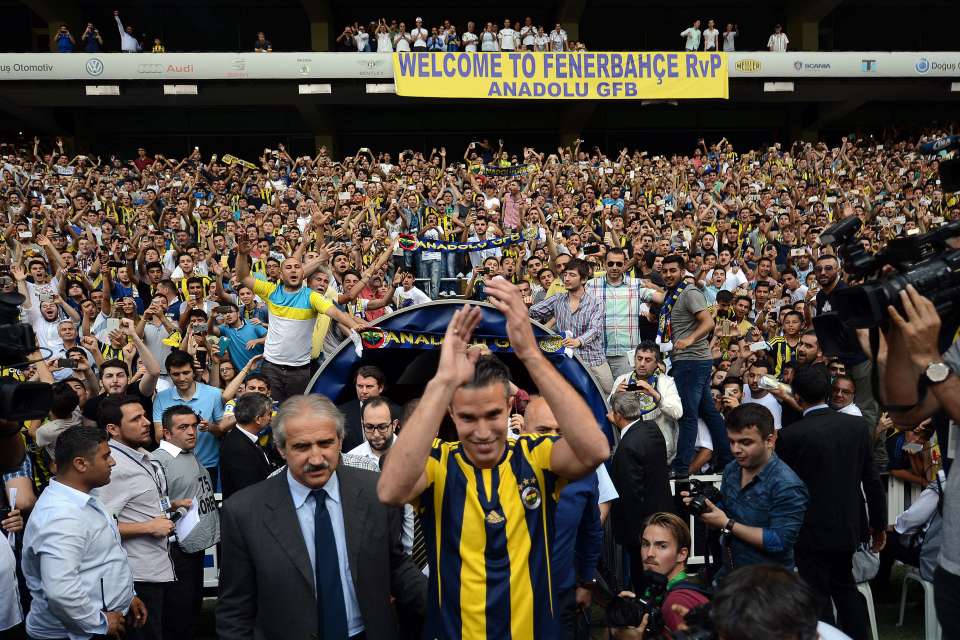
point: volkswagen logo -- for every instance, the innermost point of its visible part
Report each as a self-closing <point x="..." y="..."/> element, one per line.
<point x="922" y="66"/>
<point x="94" y="66"/>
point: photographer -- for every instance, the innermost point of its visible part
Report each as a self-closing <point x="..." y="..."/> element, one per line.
<point x="665" y="547"/>
<point x="919" y="382"/>
<point x="764" y="501"/>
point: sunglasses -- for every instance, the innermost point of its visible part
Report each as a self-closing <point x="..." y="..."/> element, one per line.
<point x="614" y="264"/>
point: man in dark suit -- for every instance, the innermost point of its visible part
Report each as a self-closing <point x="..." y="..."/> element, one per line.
<point x="639" y="472"/>
<point x="312" y="553"/>
<point x="833" y="454"/>
<point x="368" y="382"/>
<point x="243" y="461"/>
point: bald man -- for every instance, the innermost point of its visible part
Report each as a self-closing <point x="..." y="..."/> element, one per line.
<point x="293" y="310"/>
<point x="578" y="540"/>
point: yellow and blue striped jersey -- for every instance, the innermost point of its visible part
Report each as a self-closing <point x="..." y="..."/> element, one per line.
<point x="488" y="534"/>
<point x="292" y="318"/>
<point x="782" y="352"/>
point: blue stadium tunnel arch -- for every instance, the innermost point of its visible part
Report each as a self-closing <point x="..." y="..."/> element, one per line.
<point x="408" y="369"/>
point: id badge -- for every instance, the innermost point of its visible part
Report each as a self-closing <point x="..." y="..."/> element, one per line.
<point x="164" y="504"/>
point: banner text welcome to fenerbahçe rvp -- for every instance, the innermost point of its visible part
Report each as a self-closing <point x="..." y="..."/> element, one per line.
<point x="561" y="75"/>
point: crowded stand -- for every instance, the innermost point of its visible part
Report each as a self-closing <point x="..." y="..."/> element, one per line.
<point x="179" y="308"/>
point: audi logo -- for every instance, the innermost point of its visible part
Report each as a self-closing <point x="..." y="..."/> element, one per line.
<point x="94" y="66"/>
<point x="149" y="68"/>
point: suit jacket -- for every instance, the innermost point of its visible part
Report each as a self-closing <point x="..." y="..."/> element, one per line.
<point x="267" y="589"/>
<point x="242" y="462"/>
<point x="832" y="453"/>
<point x="354" y="432"/>
<point x="640" y="474"/>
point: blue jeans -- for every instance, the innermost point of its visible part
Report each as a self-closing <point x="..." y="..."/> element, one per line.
<point x="449" y="261"/>
<point x="693" y="384"/>
<point x="430" y="269"/>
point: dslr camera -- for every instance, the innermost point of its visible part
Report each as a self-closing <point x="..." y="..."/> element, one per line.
<point x="700" y="492"/>
<point x="628" y="612"/>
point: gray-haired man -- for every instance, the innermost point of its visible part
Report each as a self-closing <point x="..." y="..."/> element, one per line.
<point x="313" y="547"/>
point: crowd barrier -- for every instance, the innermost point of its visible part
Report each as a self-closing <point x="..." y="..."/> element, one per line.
<point x="900" y="495"/>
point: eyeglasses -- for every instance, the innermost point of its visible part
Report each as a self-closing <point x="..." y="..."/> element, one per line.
<point x="379" y="428"/>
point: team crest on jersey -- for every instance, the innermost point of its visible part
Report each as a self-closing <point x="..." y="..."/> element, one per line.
<point x="494" y="517"/>
<point x="530" y="497"/>
<point x="550" y="344"/>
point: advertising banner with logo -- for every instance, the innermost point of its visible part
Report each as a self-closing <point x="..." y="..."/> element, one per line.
<point x="194" y="66"/>
<point x="846" y="64"/>
<point x="567" y="75"/>
<point x="533" y="75"/>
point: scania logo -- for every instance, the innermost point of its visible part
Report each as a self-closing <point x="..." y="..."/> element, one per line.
<point x="922" y="66"/>
<point x="149" y="68"/>
<point x="748" y="66"/>
<point x="94" y="66"/>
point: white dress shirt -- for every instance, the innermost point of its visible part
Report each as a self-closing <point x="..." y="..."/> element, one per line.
<point x="74" y="565"/>
<point x="304" y="504"/>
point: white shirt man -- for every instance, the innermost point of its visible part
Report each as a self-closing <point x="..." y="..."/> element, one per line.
<point x="362" y="39"/>
<point x="419" y="35"/>
<point x="692" y="34"/>
<point x="401" y="41"/>
<point x="558" y="39"/>
<point x="778" y="41"/>
<point x="409" y="295"/>
<point x="710" y="36"/>
<point x="469" y="40"/>
<point x="529" y="35"/>
<point x="769" y="401"/>
<point x="730" y="40"/>
<point x="735" y="279"/>
<point x="508" y="39"/>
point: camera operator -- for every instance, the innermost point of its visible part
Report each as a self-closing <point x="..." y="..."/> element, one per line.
<point x="764" y="501"/>
<point x="665" y="547"/>
<point x="919" y="382"/>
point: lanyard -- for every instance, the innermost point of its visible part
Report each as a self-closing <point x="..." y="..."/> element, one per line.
<point x="152" y="471"/>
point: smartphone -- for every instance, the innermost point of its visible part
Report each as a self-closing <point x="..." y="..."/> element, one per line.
<point x="113" y="324"/>
<point x="796" y="253"/>
<point x="758" y="346"/>
<point x="66" y="363"/>
<point x="46" y="296"/>
<point x="591" y="249"/>
<point x="633" y="387"/>
<point x="25" y="235"/>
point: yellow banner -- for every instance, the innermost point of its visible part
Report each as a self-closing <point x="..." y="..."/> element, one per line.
<point x="600" y="75"/>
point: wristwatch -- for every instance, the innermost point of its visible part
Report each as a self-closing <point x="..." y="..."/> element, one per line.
<point x="937" y="372"/>
<point x="728" y="528"/>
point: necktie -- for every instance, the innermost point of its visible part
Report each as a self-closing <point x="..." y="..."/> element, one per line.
<point x="419" y="547"/>
<point x="331" y="611"/>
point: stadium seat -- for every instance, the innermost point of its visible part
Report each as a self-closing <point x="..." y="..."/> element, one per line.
<point x="931" y="627"/>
